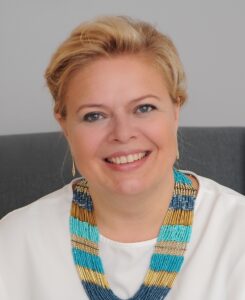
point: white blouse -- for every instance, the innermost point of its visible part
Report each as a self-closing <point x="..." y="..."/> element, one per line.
<point x="36" y="262"/>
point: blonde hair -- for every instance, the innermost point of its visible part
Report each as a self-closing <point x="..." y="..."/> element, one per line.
<point x="110" y="36"/>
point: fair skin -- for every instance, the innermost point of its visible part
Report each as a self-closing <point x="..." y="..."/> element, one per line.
<point x="116" y="107"/>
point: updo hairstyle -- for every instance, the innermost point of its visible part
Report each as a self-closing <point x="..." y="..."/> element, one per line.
<point x="111" y="36"/>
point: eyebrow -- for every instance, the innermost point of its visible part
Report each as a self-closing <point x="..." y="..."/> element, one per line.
<point x="104" y="106"/>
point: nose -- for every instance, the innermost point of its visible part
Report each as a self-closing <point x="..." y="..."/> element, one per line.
<point x="122" y="129"/>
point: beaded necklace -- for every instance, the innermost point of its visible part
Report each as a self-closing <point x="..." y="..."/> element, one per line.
<point x="168" y="256"/>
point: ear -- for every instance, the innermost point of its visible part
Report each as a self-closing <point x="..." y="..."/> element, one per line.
<point x="64" y="126"/>
<point x="176" y="114"/>
<point x="177" y="110"/>
<point x="62" y="122"/>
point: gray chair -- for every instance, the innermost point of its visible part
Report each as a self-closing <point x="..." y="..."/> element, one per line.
<point x="33" y="165"/>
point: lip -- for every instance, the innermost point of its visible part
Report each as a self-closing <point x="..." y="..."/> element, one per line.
<point x="129" y="166"/>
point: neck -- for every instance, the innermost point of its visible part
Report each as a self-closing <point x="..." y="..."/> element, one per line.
<point x="132" y="218"/>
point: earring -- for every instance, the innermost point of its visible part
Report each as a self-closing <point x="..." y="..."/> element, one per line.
<point x="177" y="150"/>
<point x="177" y="154"/>
<point x="73" y="170"/>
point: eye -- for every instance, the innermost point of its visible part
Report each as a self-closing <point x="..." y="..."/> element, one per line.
<point x="144" y="108"/>
<point x="92" y="117"/>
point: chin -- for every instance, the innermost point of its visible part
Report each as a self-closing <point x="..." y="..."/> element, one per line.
<point x="131" y="187"/>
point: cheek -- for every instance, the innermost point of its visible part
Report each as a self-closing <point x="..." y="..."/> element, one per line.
<point x="163" y="133"/>
<point x="84" y="143"/>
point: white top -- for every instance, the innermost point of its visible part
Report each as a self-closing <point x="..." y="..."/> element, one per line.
<point x="36" y="261"/>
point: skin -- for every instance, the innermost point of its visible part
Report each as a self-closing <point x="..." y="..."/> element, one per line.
<point x="137" y="114"/>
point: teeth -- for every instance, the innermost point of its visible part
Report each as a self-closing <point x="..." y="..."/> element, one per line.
<point x="127" y="159"/>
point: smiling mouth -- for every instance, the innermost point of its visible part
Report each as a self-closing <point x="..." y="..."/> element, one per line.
<point x="127" y="159"/>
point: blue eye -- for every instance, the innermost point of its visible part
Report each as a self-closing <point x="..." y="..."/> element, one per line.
<point x="92" y="117"/>
<point x="145" y="108"/>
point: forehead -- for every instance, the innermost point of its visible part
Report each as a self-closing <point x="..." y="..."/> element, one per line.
<point x="125" y="76"/>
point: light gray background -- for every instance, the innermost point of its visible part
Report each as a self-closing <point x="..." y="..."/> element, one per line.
<point x="210" y="37"/>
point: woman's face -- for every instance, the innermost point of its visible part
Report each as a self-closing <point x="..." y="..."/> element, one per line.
<point x="121" y="125"/>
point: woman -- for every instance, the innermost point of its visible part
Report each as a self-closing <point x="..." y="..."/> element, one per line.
<point x="132" y="227"/>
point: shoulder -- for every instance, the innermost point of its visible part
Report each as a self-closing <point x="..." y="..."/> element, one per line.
<point x="214" y="191"/>
<point x="219" y="213"/>
<point x="219" y="207"/>
<point x="45" y="210"/>
<point x="210" y="190"/>
<point x="217" y="246"/>
<point x="34" y="240"/>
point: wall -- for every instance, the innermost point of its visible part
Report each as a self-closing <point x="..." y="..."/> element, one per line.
<point x="208" y="34"/>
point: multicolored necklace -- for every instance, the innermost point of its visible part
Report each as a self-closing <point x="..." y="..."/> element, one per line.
<point x="168" y="256"/>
